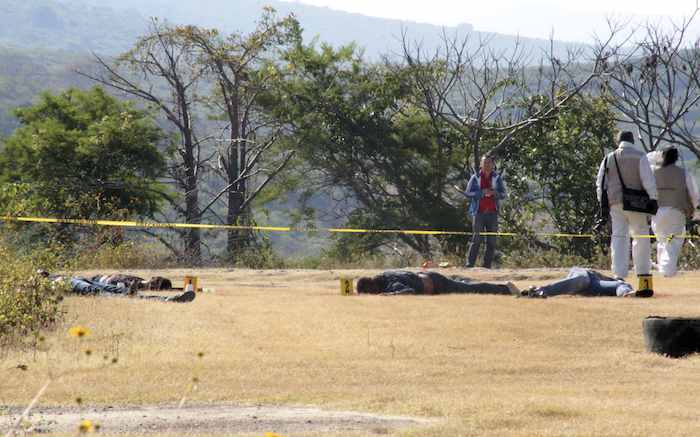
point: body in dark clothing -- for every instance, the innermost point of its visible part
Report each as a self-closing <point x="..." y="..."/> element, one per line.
<point x="405" y="282"/>
<point x="134" y="282"/>
<point x="92" y="287"/>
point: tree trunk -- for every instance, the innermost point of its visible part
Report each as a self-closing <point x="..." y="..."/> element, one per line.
<point x="235" y="200"/>
<point x="193" y="241"/>
<point x="237" y="155"/>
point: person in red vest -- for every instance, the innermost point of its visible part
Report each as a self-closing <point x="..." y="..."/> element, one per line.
<point x="484" y="190"/>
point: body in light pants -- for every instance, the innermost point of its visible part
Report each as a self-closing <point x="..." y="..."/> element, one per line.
<point x="669" y="226"/>
<point x="585" y="282"/>
<point x="624" y="222"/>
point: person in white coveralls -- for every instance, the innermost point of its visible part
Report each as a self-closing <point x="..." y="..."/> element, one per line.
<point x="678" y="199"/>
<point x="637" y="174"/>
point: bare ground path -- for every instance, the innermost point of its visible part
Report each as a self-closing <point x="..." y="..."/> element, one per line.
<point x="212" y="419"/>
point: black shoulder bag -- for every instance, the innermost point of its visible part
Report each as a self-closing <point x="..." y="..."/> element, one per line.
<point x="635" y="200"/>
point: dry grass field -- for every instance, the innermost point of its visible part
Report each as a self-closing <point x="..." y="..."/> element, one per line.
<point x="481" y="365"/>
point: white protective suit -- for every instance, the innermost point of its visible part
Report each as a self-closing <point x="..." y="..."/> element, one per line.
<point x="624" y="222"/>
<point x="669" y="224"/>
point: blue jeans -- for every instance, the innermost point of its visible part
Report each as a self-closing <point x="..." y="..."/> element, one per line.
<point x="586" y="283"/>
<point x="483" y="222"/>
<point x="84" y="286"/>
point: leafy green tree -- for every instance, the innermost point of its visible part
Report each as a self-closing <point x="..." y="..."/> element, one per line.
<point x="551" y="171"/>
<point x="83" y="154"/>
<point x="355" y="130"/>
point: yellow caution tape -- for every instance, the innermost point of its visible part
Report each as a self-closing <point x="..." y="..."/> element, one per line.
<point x="136" y="224"/>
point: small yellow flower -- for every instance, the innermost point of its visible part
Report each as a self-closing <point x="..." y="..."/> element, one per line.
<point x="86" y="426"/>
<point x="79" y="331"/>
<point x="272" y="434"/>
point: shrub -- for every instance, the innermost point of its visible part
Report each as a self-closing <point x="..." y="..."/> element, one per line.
<point x="126" y="255"/>
<point x="28" y="301"/>
<point x="553" y="258"/>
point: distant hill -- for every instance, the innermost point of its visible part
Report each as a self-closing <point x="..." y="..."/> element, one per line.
<point x="111" y="26"/>
<point x="24" y="73"/>
<point x="41" y="40"/>
<point x="377" y="36"/>
<point x="72" y="26"/>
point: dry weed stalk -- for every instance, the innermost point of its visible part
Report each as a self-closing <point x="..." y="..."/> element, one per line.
<point x="79" y="332"/>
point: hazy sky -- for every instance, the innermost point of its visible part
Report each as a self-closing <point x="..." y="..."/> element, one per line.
<point x="570" y="20"/>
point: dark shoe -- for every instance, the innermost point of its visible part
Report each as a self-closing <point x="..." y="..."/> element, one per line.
<point x="133" y="288"/>
<point x="535" y="293"/>
<point x="644" y="293"/>
<point x="526" y="292"/>
<point x="187" y="296"/>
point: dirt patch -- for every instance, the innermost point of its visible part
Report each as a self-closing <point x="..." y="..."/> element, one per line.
<point x="217" y="418"/>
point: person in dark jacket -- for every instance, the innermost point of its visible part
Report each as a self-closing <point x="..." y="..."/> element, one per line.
<point x="406" y="282"/>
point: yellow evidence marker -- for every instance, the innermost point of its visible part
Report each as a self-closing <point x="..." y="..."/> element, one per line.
<point x="191" y="281"/>
<point x="346" y="286"/>
<point x="646" y="282"/>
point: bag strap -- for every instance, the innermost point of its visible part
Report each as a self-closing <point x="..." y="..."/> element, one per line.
<point x="619" y="173"/>
<point x="605" y="173"/>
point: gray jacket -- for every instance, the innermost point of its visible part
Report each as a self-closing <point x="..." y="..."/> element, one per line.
<point x="636" y="173"/>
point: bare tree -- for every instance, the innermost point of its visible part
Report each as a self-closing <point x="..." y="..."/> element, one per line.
<point x="480" y="91"/>
<point x="652" y="78"/>
<point x="242" y="67"/>
<point x="162" y="70"/>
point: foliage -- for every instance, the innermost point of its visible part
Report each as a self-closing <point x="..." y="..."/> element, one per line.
<point x="241" y="68"/>
<point x="28" y="302"/>
<point x="132" y="254"/>
<point x="258" y="256"/>
<point x="81" y="154"/>
<point x="536" y="257"/>
<point x="352" y="126"/>
<point x="551" y="171"/>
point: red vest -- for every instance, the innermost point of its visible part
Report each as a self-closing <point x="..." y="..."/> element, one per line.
<point x="486" y="204"/>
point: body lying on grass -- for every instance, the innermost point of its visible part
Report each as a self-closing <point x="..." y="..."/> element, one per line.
<point x="405" y="282"/>
<point x="585" y="282"/>
<point x="97" y="287"/>
<point x="155" y="283"/>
